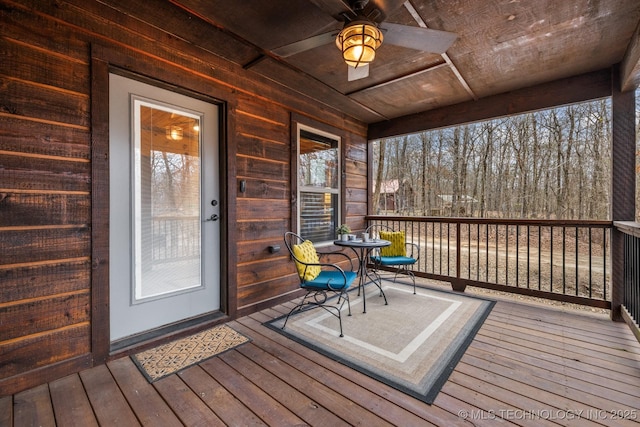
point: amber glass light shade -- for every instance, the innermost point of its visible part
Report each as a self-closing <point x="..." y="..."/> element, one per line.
<point x="174" y="132"/>
<point x="358" y="43"/>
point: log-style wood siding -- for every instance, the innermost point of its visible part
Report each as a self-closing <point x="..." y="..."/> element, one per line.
<point x="48" y="261"/>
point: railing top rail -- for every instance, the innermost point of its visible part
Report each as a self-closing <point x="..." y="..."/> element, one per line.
<point x="500" y="221"/>
<point x="628" y="227"/>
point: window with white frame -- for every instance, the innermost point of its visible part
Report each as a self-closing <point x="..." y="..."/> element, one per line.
<point x="318" y="162"/>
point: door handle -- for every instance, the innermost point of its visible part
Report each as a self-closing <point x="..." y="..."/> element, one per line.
<point x="213" y="217"/>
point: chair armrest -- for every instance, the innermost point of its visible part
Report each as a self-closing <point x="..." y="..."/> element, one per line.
<point x="413" y="250"/>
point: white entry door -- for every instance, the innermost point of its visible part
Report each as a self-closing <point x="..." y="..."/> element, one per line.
<point x="163" y="233"/>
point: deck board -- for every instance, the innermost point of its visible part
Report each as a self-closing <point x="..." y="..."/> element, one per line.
<point x="33" y="407"/>
<point x="561" y="340"/>
<point x="502" y="400"/>
<point x="6" y="411"/>
<point x="523" y="391"/>
<point x="319" y="394"/>
<point x="107" y="401"/>
<point x="187" y="405"/>
<point x="266" y="407"/>
<point x="295" y="400"/>
<point x="70" y="402"/>
<point x="529" y="365"/>
<point x="144" y="399"/>
<point x="226" y="406"/>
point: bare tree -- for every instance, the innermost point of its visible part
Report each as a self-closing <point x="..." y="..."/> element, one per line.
<point x="382" y="148"/>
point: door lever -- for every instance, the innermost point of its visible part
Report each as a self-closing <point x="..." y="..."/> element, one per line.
<point x="213" y="217"/>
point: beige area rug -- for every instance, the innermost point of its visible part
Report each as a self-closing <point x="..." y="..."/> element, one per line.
<point x="172" y="357"/>
<point x="413" y="344"/>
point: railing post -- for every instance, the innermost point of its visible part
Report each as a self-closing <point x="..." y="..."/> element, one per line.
<point x="458" y="284"/>
<point x="623" y="180"/>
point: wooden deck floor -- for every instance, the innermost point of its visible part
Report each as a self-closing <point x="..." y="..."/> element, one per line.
<point x="528" y="365"/>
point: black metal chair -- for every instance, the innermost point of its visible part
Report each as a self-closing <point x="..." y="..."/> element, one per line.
<point x="401" y="255"/>
<point x="320" y="280"/>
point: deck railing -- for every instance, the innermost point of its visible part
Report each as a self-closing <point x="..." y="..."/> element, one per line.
<point x="631" y="293"/>
<point x="175" y="238"/>
<point x="560" y="260"/>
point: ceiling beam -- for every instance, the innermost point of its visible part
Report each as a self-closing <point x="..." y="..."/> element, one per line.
<point x="630" y="67"/>
<point x="570" y="90"/>
<point x="397" y="79"/>
<point x="416" y="16"/>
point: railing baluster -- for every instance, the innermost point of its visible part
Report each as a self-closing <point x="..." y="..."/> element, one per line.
<point x="632" y="304"/>
<point x="551" y="264"/>
<point x="496" y="252"/>
<point x="449" y="249"/>
<point x="440" y="238"/>
<point x="487" y="252"/>
<point x="604" y="252"/>
<point x="590" y="263"/>
<point x="506" y="255"/>
<point x="478" y="252"/>
<point x="517" y="256"/>
<point x="577" y="268"/>
<point x="564" y="260"/>
<point x="635" y="287"/>
<point x="528" y="255"/>
<point x="433" y="247"/>
<point x="633" y="274"/>
<point x="539" y="257"/>
<point x="469" y="251"/>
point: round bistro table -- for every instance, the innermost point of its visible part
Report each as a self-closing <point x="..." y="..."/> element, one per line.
<point x="362" y="250"/>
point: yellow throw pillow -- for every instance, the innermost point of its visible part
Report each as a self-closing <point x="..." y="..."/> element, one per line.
<point x="306" y="252"/>
<point x="397" y="247"/>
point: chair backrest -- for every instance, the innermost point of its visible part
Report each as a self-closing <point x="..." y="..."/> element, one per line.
<point x="377" y="228"/>
<point x="290" y="239"/>
<point x="397" y="239"/>
<point x="304" y="255"/>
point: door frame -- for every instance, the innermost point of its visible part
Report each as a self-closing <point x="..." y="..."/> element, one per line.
<point x="163" y="75"/>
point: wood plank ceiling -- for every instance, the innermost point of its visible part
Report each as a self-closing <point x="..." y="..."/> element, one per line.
<point x="502" y="45"/>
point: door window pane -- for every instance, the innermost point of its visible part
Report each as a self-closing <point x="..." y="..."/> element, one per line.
<point x="166" y="205"/>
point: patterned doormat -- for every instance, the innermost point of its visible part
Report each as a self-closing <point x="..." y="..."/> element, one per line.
<point x="412" y="344"/>
<point x="172" y="357"/>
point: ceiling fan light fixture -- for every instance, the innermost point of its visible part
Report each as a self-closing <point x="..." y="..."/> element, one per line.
<point x="358" y="42"/>
<point x="173" y="132"/>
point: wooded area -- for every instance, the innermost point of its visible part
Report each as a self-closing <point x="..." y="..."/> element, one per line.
<point x="551" y="164"/>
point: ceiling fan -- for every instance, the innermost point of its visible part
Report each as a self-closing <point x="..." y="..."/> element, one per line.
<point x="364" y="31"/>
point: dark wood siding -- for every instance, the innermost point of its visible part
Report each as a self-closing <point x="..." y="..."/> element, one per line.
<point x="48" y="225"/>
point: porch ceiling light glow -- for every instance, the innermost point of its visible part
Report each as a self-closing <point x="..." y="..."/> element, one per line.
<point x="358" y="42"/>
<point x="174" y="132"/>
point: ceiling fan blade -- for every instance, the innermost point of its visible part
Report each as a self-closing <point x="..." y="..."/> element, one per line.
<point x="358" y="73"/>
<point x="424" y="39"/>
<point x="306" y="44"/>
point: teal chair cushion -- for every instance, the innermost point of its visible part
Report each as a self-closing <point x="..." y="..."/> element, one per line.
<point x="333" y="278"/>
<point x="393" y="260"/>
